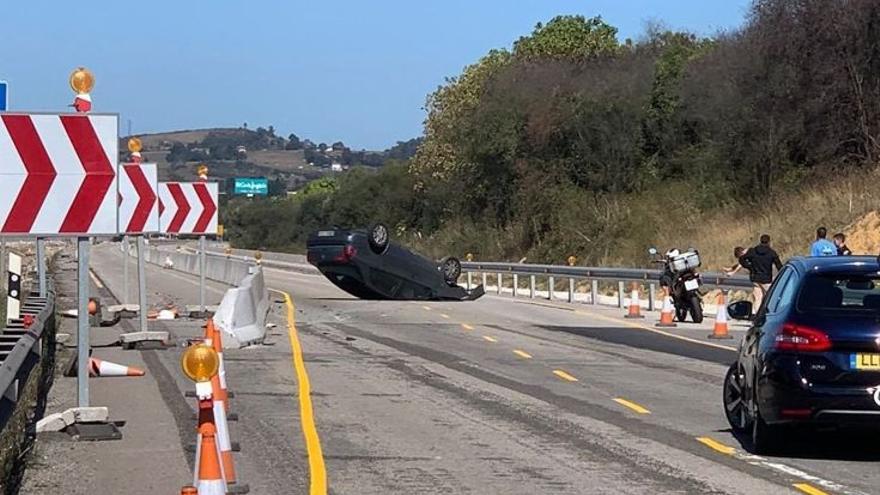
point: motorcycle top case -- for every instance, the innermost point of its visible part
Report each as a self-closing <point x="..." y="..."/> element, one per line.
<point x="686" y="261"/>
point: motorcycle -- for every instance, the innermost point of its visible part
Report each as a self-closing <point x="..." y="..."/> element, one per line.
<point x="685" y="282"/>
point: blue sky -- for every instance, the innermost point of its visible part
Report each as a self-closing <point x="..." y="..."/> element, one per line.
<point x="353" y="70"/>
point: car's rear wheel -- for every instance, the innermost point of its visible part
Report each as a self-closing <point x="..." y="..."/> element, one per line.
<point x="379" y="238"/>
<point x="734" y="399"/>
<point x="696" y="309"/>
<point x="765" y="438"/>
<point x="451" y="269"/>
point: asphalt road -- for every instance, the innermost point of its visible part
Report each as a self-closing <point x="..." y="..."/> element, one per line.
<point x="500" y="396"/>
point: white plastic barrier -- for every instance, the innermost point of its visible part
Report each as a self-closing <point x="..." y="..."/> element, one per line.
<point x="242" y="313"/>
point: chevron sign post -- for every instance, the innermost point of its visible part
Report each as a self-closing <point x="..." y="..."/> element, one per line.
<point x="60" y="174"/>
<point x="188" y="207"/>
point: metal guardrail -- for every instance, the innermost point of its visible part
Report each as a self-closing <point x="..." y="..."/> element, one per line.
<point x="553" y="273"/>
<point x="593" y="274"/>
<point x="21" y="347"/>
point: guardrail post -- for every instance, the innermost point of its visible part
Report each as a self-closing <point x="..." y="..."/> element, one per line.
<point x="651" y="295"/>
<point x="469" y="276"/>
<point x="620" y="291"/>
<point x="594" y="291"/>
<point x="551" y="287"/>
<point x="531" y="286"/>
<point x="571" y="290"/>
<point x="515" y="283"/>
<point x="484" y="281"/>
<point x="498" y="282"/>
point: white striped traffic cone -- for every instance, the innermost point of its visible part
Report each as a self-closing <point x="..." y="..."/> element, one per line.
<point x="720" y="330"/>
<point x="99" y="367"/>
<point x="635" y="306"/>
<point x="209" y="477"/>
<point x="667" y="314"/>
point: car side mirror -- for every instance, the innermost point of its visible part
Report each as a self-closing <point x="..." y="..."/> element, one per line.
<point x="740" y="310"/>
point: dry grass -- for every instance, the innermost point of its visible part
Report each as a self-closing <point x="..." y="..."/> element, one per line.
<point x="844" y="203"/>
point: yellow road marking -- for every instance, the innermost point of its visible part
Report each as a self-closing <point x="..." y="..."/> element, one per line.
<point x="654" y="330"/>
<point x="564" y="375"/>
<point x="716" y="445"/>
<point x="809" y="489"/>
<point x="426" y="308"/>
<point x="490" y="339"/>
<point x="317" y="470"/>
<point x="444" y="315"/>
<point x="522" y="354"/>
<point x="632" y="405"/>
<point x="466" y="326"/>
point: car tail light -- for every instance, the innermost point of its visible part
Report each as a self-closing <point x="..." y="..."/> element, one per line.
<point x="796" y="413"/>
<point x="348" y="252"/>
<point x="801" y="338"/>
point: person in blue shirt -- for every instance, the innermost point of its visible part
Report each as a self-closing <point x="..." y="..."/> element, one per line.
<point x="822" y="246"/>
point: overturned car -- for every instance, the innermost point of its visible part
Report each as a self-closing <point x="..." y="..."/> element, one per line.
<point x="367" y="265"/>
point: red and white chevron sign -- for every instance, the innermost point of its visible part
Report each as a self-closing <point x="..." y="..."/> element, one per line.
<point x="138" y="198"/>
<point x="188" y="207"/>
<point x="58" y="174"/>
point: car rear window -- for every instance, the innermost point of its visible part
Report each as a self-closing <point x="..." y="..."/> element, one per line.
<point x="840" y="293"/>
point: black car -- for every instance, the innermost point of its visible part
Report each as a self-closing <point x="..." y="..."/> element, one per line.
<point x="367" y="265"/>
<point x="812" y="356"/>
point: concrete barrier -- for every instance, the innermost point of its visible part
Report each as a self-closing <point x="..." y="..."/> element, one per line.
<point x="242" y="313"/>
<point x="219" y="269"/>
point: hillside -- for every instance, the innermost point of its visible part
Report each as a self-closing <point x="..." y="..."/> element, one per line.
<point x="241" y="152"/>
<point x="164" y="140"/>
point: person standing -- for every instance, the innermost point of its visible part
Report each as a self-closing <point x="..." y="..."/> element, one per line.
<point x="822" y="246"/>
<point x="760" y="262"/>
<point x="840" y="244"/>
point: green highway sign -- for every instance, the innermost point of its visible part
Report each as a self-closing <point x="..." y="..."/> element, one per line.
<point x="251" y="186"/>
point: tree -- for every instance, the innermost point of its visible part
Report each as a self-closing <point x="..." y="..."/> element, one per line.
<point x="568" y="37"/>
<point x="293" y="142"/>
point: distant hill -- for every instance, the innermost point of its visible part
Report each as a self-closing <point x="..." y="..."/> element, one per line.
<point x="164" y="140"/>
<point x="240" y="152"/>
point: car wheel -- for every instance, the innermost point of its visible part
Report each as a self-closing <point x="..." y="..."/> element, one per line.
<point x="765" y="438"/>
<point x="451" y="269"/>
<point x="696" y="309"/>
<point x="734" y="399"/>
<point x="378" y="238"/>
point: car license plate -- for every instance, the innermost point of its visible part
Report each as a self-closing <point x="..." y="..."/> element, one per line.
<point x="864" y="361"/>
<point x="326" y="233"/>
<point x="692" y="284"/>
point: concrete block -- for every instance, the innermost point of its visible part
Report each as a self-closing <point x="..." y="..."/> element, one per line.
<point x="95" y="414"/>
<point x="60" y="421"/>
<point x="135" y="337"/>
<point x="52" y="422"/>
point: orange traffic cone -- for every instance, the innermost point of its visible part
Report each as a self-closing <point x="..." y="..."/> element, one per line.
<point x="221" y="405"/>
<point x="209" y="477"/>
<point x="720" y="330"/>
<point x="99" y="367"/>
<point x="635" y="308"/>
<point x="667" y="314"/>
<point x="220" y="392"/>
